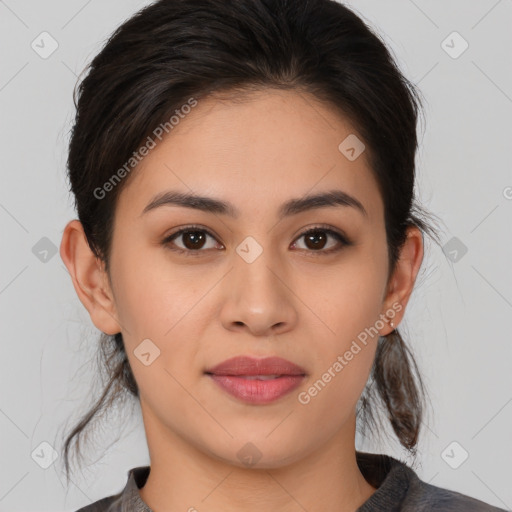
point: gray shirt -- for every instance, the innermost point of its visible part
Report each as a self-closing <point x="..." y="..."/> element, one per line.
<point x="398" y="489"/>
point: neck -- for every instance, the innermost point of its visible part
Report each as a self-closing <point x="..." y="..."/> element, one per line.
<point x="182" y="477"/>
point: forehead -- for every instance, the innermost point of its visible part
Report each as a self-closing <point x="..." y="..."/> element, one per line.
<point x="263" y="148"/>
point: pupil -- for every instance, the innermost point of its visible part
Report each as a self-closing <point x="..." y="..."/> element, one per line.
<point x="311" y="238"/>
<point x="196" y="237"/>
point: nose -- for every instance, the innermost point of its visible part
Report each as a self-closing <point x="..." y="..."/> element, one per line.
<point x="258" y="297"/>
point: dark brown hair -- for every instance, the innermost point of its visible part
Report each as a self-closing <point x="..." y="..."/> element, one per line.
<point x="174" y="50"/>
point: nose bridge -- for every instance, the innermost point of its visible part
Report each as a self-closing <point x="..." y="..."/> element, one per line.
<point x="257" y="296"/>
<point x="257" y="284"/>
<point x="256" y="278"/>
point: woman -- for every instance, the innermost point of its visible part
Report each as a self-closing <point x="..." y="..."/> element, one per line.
<point x="248" y="240"/>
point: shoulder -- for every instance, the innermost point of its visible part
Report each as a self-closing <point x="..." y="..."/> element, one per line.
<point x="399" y="489"/>
<point x="127" y="498"/>
<point x="424" y="497"/>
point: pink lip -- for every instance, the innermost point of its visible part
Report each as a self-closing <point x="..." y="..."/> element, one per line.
<point x="233" y="375"/>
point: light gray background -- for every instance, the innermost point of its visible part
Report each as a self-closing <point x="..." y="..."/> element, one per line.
<point x="458" y="322"/>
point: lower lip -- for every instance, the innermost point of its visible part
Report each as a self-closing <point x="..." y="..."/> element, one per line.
<point x="255" y="391"/>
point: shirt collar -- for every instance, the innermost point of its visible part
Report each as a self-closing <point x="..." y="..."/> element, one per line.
<point x="130" y="497"/>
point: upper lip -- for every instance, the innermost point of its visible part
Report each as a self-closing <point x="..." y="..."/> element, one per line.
<point x="244" y="365"/>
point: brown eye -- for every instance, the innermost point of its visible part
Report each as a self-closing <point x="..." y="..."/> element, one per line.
<point x="193" y="239"/>
<point x="317" y="240"/>
<point x="190" y="240"/>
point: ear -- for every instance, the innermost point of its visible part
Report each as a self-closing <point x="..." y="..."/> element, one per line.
<point x="89" y="278"/>
<point x="402" y="281"/>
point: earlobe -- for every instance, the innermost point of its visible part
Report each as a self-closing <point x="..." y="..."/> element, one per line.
<point x="89" y="278"/>
<point x="402" y="282"/>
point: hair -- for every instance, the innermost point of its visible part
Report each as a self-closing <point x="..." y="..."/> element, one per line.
<point x="174" y="50"/>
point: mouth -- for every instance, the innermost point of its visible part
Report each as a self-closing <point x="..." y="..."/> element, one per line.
<point x="257" y="381"/>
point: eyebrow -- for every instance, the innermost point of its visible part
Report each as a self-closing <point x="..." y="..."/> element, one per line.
<point x="291" y="207"/>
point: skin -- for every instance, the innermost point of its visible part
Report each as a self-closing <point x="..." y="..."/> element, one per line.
<point x="290" y="302"/>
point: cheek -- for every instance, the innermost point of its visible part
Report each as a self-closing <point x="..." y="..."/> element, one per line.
<point x="160" y="312"/>
<point x="346" y="298"/>
<point x="152" y="297"/>
<point x="343" y="362"/>
<point x="349" y="302"/>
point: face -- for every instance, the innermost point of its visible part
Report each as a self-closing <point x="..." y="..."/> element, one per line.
<point x="247" y="280"/>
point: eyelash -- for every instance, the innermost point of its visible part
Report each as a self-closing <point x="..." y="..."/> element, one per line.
<point x="345" y="242"/>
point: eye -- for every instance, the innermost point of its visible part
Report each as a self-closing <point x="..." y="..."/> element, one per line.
<point x="192" y="238"/>
<point x="195" y="238"/>
<point x="316" y="240"/>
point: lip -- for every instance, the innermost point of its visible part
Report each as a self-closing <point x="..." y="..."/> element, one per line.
<point x="238" y="377"/>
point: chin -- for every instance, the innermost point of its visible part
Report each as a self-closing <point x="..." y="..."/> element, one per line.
<point x="259" y="452"/>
